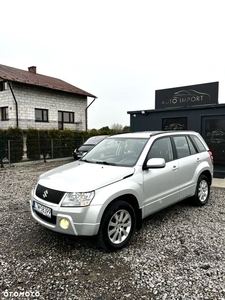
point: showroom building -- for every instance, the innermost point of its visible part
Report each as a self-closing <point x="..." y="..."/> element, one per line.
<point x="188" y="108"/>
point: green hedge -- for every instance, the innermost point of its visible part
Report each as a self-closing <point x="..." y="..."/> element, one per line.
<point x="15" y="136"/>
<point x="55" y="136"/>
<point x="67" y="142"/>
<point x="33" y="145"/>
<point x="3" y="144"/>
<point x="44" y="143"/>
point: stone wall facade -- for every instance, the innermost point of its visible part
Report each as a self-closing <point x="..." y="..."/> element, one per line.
<point x="29" y="98"/>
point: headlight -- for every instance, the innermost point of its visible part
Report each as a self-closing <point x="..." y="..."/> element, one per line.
<point x="78" y="199"/>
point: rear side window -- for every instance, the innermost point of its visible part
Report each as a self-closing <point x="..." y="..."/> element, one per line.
<point x="191" y="146"/>
<point x="198" y="143"/>
<point x="182" y="146"/>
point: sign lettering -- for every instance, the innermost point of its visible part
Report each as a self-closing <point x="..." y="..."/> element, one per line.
<point x="187" y="96"/>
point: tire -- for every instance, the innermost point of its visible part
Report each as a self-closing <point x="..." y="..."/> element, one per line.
<point x="117" y="226"/>
<point x="202" y="193"/>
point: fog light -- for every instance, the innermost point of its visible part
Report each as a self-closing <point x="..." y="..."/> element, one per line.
<point x="64" y="223"/>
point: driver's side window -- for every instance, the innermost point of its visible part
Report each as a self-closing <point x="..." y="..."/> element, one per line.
<point x="161" y="148"/>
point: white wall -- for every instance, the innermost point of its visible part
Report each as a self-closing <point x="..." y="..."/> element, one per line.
<point x="29" y="98"/>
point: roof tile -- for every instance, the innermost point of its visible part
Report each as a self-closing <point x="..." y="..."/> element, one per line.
<point x="32" y="78"/>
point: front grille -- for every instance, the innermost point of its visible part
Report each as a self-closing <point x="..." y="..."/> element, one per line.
<point x="51" y="220"/>
<point x="49" y="195"/>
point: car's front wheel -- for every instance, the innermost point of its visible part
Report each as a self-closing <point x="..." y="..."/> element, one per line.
<point x="202" y="193"/>
<point x="117" y="226"/>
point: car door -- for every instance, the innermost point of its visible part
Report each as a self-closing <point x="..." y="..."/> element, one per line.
<point x="161" y="185"/>
<point x="188" y="159"/>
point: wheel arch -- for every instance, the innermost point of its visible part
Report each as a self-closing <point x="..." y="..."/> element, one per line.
<point x="132" y="200"/>
<point x="208" y="175"/>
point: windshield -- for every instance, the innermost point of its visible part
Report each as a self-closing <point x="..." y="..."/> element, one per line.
<point x="117" y="151"/>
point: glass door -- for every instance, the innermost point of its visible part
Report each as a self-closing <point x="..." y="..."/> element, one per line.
<point x="213" y="131"/>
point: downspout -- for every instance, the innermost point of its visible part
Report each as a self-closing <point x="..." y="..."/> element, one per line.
<point x="86" y="113"/>
<point x="17" y="118"/>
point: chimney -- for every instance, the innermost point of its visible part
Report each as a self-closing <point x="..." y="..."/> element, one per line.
<point x="32" y="69"/>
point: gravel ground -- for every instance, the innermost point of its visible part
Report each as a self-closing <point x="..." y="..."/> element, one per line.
<point x="178" y="254"/>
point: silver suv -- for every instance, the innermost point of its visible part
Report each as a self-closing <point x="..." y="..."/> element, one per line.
<point x="122" y="180"/>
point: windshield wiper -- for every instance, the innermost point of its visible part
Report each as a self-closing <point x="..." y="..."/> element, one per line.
<point x="105" y="163"/>
<point x="85" y="160"/>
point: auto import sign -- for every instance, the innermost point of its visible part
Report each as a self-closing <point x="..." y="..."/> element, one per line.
<point x="200" y="94"/>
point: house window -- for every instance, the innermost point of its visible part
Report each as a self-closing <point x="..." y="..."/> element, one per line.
<point x="4" y="113"/>
<point x="41" y="115"/>
<point x="174" y="124"/>
<point x="65" y="117"/>
<point x="2" y="86"/>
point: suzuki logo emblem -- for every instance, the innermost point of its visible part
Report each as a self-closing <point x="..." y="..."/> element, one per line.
<point x="45" y="194"/>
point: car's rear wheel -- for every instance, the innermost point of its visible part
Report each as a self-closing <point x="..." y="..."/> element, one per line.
<point x="202" y="193"/>
<point x="117" y="226"/>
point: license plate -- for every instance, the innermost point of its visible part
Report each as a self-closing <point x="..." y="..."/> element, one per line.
<point x="44" y="210"/>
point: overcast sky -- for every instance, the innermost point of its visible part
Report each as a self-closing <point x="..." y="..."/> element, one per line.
<point x="119" y="50"/>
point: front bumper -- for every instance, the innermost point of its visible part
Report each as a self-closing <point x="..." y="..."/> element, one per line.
<point x="83" y="221"/>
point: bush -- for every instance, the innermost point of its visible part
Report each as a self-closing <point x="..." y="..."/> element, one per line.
<point x="3" y="144"/>
<point x="15" y="136"/>
<point x="33" y="145"/>
<point x="79" y="138"/>
<point x="55" y="136"/>
<point x="48" y="143"/>
<point x="67" y="143"/>
<point x="45" y="143"/>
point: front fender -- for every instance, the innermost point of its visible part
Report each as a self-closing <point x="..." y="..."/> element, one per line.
<point x="128" y="186"/>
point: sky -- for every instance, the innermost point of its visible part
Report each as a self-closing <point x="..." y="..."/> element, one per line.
<point x="118" y="50"/>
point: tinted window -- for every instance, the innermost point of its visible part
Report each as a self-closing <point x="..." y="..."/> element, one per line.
<point x="181" y="145"/>
<point x="191" y="146"/>
<point x="161" y="148"/>
<point x="198" y="143"/>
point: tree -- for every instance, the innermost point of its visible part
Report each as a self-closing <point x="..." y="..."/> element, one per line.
<point x="117" y="127"/>
<point x="126" y="129"/>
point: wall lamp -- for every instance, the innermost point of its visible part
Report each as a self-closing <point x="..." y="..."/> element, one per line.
<point x="143" y="112"/>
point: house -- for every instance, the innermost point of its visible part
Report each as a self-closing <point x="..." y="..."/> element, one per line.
<point x="32" y="100"/>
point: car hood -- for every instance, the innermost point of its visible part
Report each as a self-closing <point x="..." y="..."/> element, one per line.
<point x="83" y="177"/>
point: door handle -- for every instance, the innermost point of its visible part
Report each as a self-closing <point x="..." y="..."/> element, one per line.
<point x="174" y="168"/>
<point x="198" y="159"/>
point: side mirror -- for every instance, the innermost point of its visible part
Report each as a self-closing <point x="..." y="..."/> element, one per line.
<point x="155" y="163"/>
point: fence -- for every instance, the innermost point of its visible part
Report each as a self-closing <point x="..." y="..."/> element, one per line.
<point x="12" y="151"/>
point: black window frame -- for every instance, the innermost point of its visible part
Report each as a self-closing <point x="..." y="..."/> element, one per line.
<point x="63" y="120"/>
<point x="42" y="110"/>
<point x="70" y="114"/>
<point x="5" y="113"/>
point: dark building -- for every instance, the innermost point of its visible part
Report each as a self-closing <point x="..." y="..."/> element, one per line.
<point x="188" y="108"/>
